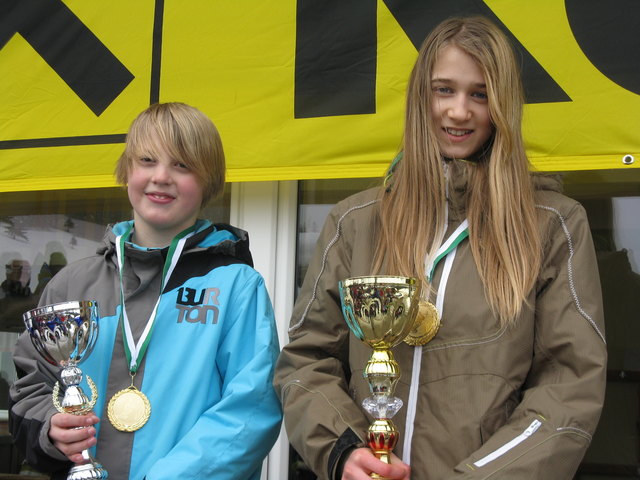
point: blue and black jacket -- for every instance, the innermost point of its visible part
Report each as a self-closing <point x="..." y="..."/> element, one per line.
<point x="207" y="372"/>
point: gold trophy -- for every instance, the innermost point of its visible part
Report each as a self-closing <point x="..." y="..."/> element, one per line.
<point x="381" y="311"/>
<point x="64" y="334"/>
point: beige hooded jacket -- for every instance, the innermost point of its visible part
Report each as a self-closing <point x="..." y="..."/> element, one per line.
<point x="520" y="402"/>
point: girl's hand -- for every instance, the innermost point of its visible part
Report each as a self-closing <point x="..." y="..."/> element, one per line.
<point x="362" y="462"/>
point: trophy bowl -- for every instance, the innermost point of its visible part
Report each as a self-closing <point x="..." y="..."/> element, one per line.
<point x="64" y="334"/>
<point x="381" y="311"/>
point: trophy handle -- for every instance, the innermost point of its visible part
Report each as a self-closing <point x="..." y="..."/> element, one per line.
<point x="85" y="407"/>
<point x="347" y="311"/>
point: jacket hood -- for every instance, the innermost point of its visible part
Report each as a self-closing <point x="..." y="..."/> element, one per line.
<point x="219" y="238"/>
<point x="458" y="178"/>
<point x="547" y="181"/>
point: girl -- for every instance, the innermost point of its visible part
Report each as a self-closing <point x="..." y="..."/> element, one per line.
<point x="513" y="383"/>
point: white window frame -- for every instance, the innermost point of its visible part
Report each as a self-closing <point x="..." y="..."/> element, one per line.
<point x="268" y="211"/>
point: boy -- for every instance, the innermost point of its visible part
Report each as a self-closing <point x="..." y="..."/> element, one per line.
<point x="206" y="373"/>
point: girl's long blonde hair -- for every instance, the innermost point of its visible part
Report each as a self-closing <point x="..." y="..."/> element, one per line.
<point x="500" y="202"/>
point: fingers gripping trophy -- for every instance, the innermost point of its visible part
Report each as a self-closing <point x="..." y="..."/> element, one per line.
<point x="382" y="311"/>
<point x="64" y="334"/>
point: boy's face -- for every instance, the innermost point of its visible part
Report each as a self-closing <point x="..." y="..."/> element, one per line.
<point x="165" y="195"/>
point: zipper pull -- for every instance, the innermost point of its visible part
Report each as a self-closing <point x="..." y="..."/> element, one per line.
<point x="535" y="425"/>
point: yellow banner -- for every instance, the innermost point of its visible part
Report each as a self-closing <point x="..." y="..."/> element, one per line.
<point x="298" y="89"/>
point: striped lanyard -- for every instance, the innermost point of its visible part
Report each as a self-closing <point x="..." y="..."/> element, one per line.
<point x="135" y="351"/>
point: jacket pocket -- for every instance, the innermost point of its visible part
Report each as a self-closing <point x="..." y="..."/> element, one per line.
<point x="511" y="444"/>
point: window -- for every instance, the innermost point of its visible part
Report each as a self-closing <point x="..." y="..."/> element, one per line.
<point x="41" y="232"/>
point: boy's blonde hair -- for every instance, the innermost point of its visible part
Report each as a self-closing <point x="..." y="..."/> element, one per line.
<point x="187" y="134"/>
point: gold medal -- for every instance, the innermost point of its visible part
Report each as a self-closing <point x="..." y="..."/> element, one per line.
<point x="129" y="409"/>
<point x="426" y="325"/>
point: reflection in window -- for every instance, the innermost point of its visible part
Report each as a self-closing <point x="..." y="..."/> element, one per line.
<point x="612" y="202"/>
<point x="315" y="200"/>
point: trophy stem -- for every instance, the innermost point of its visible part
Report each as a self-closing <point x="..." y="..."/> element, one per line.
<point x="382" y="372"/>
<point x="382" y="439"/>
<point x="87" y="471"/>
<point x="74" y="400"/>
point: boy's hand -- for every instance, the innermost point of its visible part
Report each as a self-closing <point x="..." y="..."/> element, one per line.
<point x="362" y="462"/>
<point x="71" y="434"/>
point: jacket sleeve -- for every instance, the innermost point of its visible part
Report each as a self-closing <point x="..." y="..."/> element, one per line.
<point x="30" y="402"/>
<point x="231" y="439"/>
<point x="321" y="418"/>
<point x="550" y="430"/>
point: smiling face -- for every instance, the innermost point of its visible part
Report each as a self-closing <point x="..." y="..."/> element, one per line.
<point x="165" y="195"/>
<point x="459" y="104"/>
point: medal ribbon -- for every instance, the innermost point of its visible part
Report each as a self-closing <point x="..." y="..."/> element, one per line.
<point x="452" y="242"/>
<point x="447" y="250"/>
<point x="135" y="351"/>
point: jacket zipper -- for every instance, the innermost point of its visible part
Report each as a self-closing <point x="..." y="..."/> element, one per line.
<point x="508" y="446"/>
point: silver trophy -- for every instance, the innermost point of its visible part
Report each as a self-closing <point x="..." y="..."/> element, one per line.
<point x="64" y="334"/>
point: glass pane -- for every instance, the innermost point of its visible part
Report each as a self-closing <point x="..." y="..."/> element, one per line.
<point x="612" y="201"/>
<point x="40" y="232"/>
<point x="315" y="199"/>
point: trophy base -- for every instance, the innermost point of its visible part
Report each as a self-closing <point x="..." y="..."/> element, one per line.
<point x="87" y="471"/>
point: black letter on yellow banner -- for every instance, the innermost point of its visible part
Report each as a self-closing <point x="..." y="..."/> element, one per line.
<point x="335" y="58"/>
<point x="336" y="52"/>
<point x="609" y="35"/>
<point x="69" y="47"/>
<point x="418" y="18"/>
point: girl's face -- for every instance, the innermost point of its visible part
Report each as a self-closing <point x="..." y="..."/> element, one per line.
<point x="459" y="104"/>
<point x="165" y="195"/>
